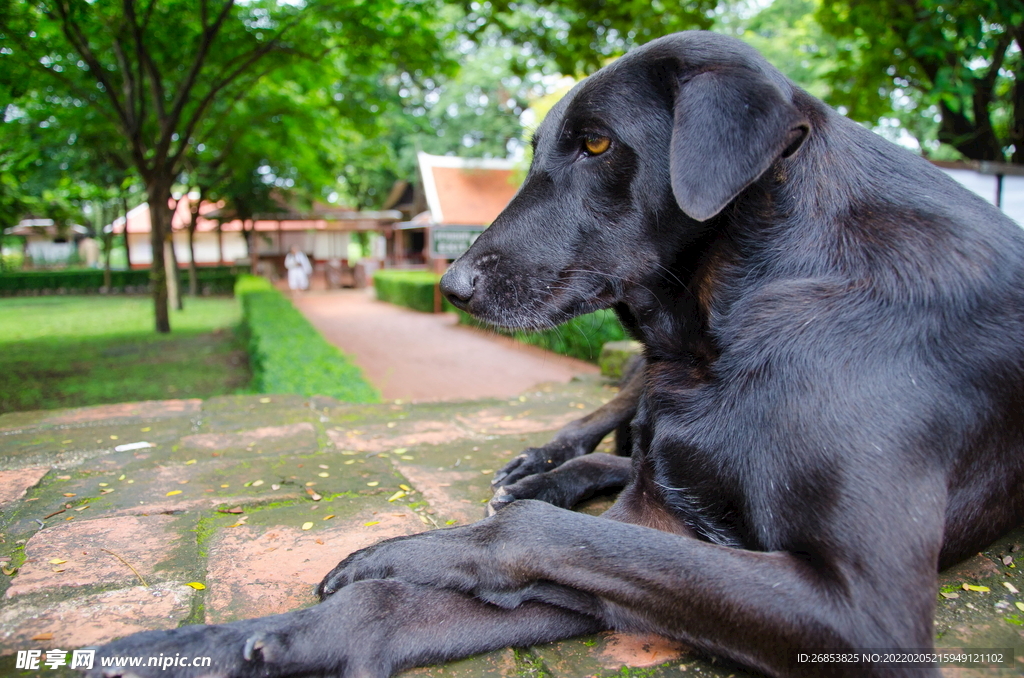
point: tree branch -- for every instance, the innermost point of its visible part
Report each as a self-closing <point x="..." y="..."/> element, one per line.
<point x="182" y="95"/>
<point x="156" y="89"/>
<point x="81" y="45"/>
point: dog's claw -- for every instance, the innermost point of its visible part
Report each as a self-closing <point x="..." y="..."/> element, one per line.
<point x="500" y="500"/>
<point x="253" y="644"/>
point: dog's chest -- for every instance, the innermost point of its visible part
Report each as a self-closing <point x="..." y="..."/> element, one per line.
<point x="703" y="473"/>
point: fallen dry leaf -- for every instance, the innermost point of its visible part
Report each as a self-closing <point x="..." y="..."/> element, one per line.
<point x="979" y="589"/>
<point x="57" y="561"/>
<point x="196" y="585"/>
<point x="43" y="636"/>
<point x="946" y="594"/>
<point x="1011" y="587"/>
<point x="172" y="493"/>
<point x="307" y="526"/>
<point x="329" y="517"/>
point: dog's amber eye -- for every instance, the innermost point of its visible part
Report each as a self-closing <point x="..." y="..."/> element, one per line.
<point x="597" y="145"/>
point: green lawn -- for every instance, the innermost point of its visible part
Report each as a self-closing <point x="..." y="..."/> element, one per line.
<point x="88" y="350"/>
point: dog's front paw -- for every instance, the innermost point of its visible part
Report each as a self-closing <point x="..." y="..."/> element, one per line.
<point x="545" y="487"/>
<point x="189" y="652"/>
<point x="531" y="461"/>
<point x="441" y="558"/>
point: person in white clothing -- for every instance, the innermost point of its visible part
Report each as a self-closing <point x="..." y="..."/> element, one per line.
<point x="299" y="269"/>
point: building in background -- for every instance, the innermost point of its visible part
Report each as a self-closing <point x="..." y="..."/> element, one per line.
<point x="456" y="199"/>
<point x="325" y="234"/>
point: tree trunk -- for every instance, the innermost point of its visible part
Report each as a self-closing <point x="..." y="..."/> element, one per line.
<point x="173" y="275"/>
<point x="159" y="194"/>
<point x="127" y="252"/>
<point x="108" y="244"/>
<point x="193" y="282"/>
<point x="251" y="245"/>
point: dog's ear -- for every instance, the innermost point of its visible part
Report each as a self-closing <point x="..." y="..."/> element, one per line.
<point x="730" y="125"/>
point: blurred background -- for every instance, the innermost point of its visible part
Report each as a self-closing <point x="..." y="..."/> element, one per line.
<point x="160" y="158"/>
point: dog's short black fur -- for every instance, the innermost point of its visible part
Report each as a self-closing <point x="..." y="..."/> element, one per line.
<point x="833" y="401"/>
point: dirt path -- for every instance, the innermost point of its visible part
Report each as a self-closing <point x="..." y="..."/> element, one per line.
<point x="420" y="356"/>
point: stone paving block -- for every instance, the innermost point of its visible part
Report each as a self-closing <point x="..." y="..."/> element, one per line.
<point x="14" y="484"/>
<point x="618" y="654"/>
<point x="506" y="663"/>
<point x="446" y="491"/>
<point x="93" y="619"/>
<point x="108" y="414"/>
<point x="258" y="571"/>
<point x="499" y="421"/>
<point x="70" y="446"/>
<point x="87" y="549"/>
<point x="235" y="413"/>
<point x="291" y="438"/>
<point x="379" y="437"/>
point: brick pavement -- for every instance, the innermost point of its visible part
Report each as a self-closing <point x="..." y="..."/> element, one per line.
<point x="237" y="506"/>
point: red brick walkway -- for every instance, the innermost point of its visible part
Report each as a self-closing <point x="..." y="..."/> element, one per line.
<point x="423" y="356"/>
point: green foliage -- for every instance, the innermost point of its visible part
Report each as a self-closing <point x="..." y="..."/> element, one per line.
<point x="412" y="289"/>
<point x="73" y="351"/>
<point x="788" y="36"/>
<point x="288" y="355"/>
<point x="581" y="35"/>
<point x="582" y="337"/>
<point x="212" y="280"/>
<point x="949" y="71"/>
<point x="164" y="87"/>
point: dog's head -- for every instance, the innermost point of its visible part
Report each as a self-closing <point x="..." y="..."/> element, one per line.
<point x="630" y="166"/>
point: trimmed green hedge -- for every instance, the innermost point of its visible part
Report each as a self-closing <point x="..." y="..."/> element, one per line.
<point x="412" y="289"/>
<point x="288" y="355"/>
<point x="582" y="337"/>
<point x="212" y="280"/>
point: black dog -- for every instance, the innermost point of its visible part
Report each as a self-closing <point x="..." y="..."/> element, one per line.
<point x="833" y="399"/>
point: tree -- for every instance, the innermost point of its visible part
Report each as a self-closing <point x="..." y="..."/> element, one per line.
<point x="951" y="70"/>
<point x="581" y="35"/>
<point x="154" y="71"/>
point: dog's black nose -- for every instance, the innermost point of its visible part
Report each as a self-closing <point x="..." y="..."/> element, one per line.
<point x="457" y="285"/>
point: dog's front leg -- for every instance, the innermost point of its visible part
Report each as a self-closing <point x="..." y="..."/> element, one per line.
<point x="371" y="629"/>
<point x="757" y="608"/>
<point x="580" y="436"/>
